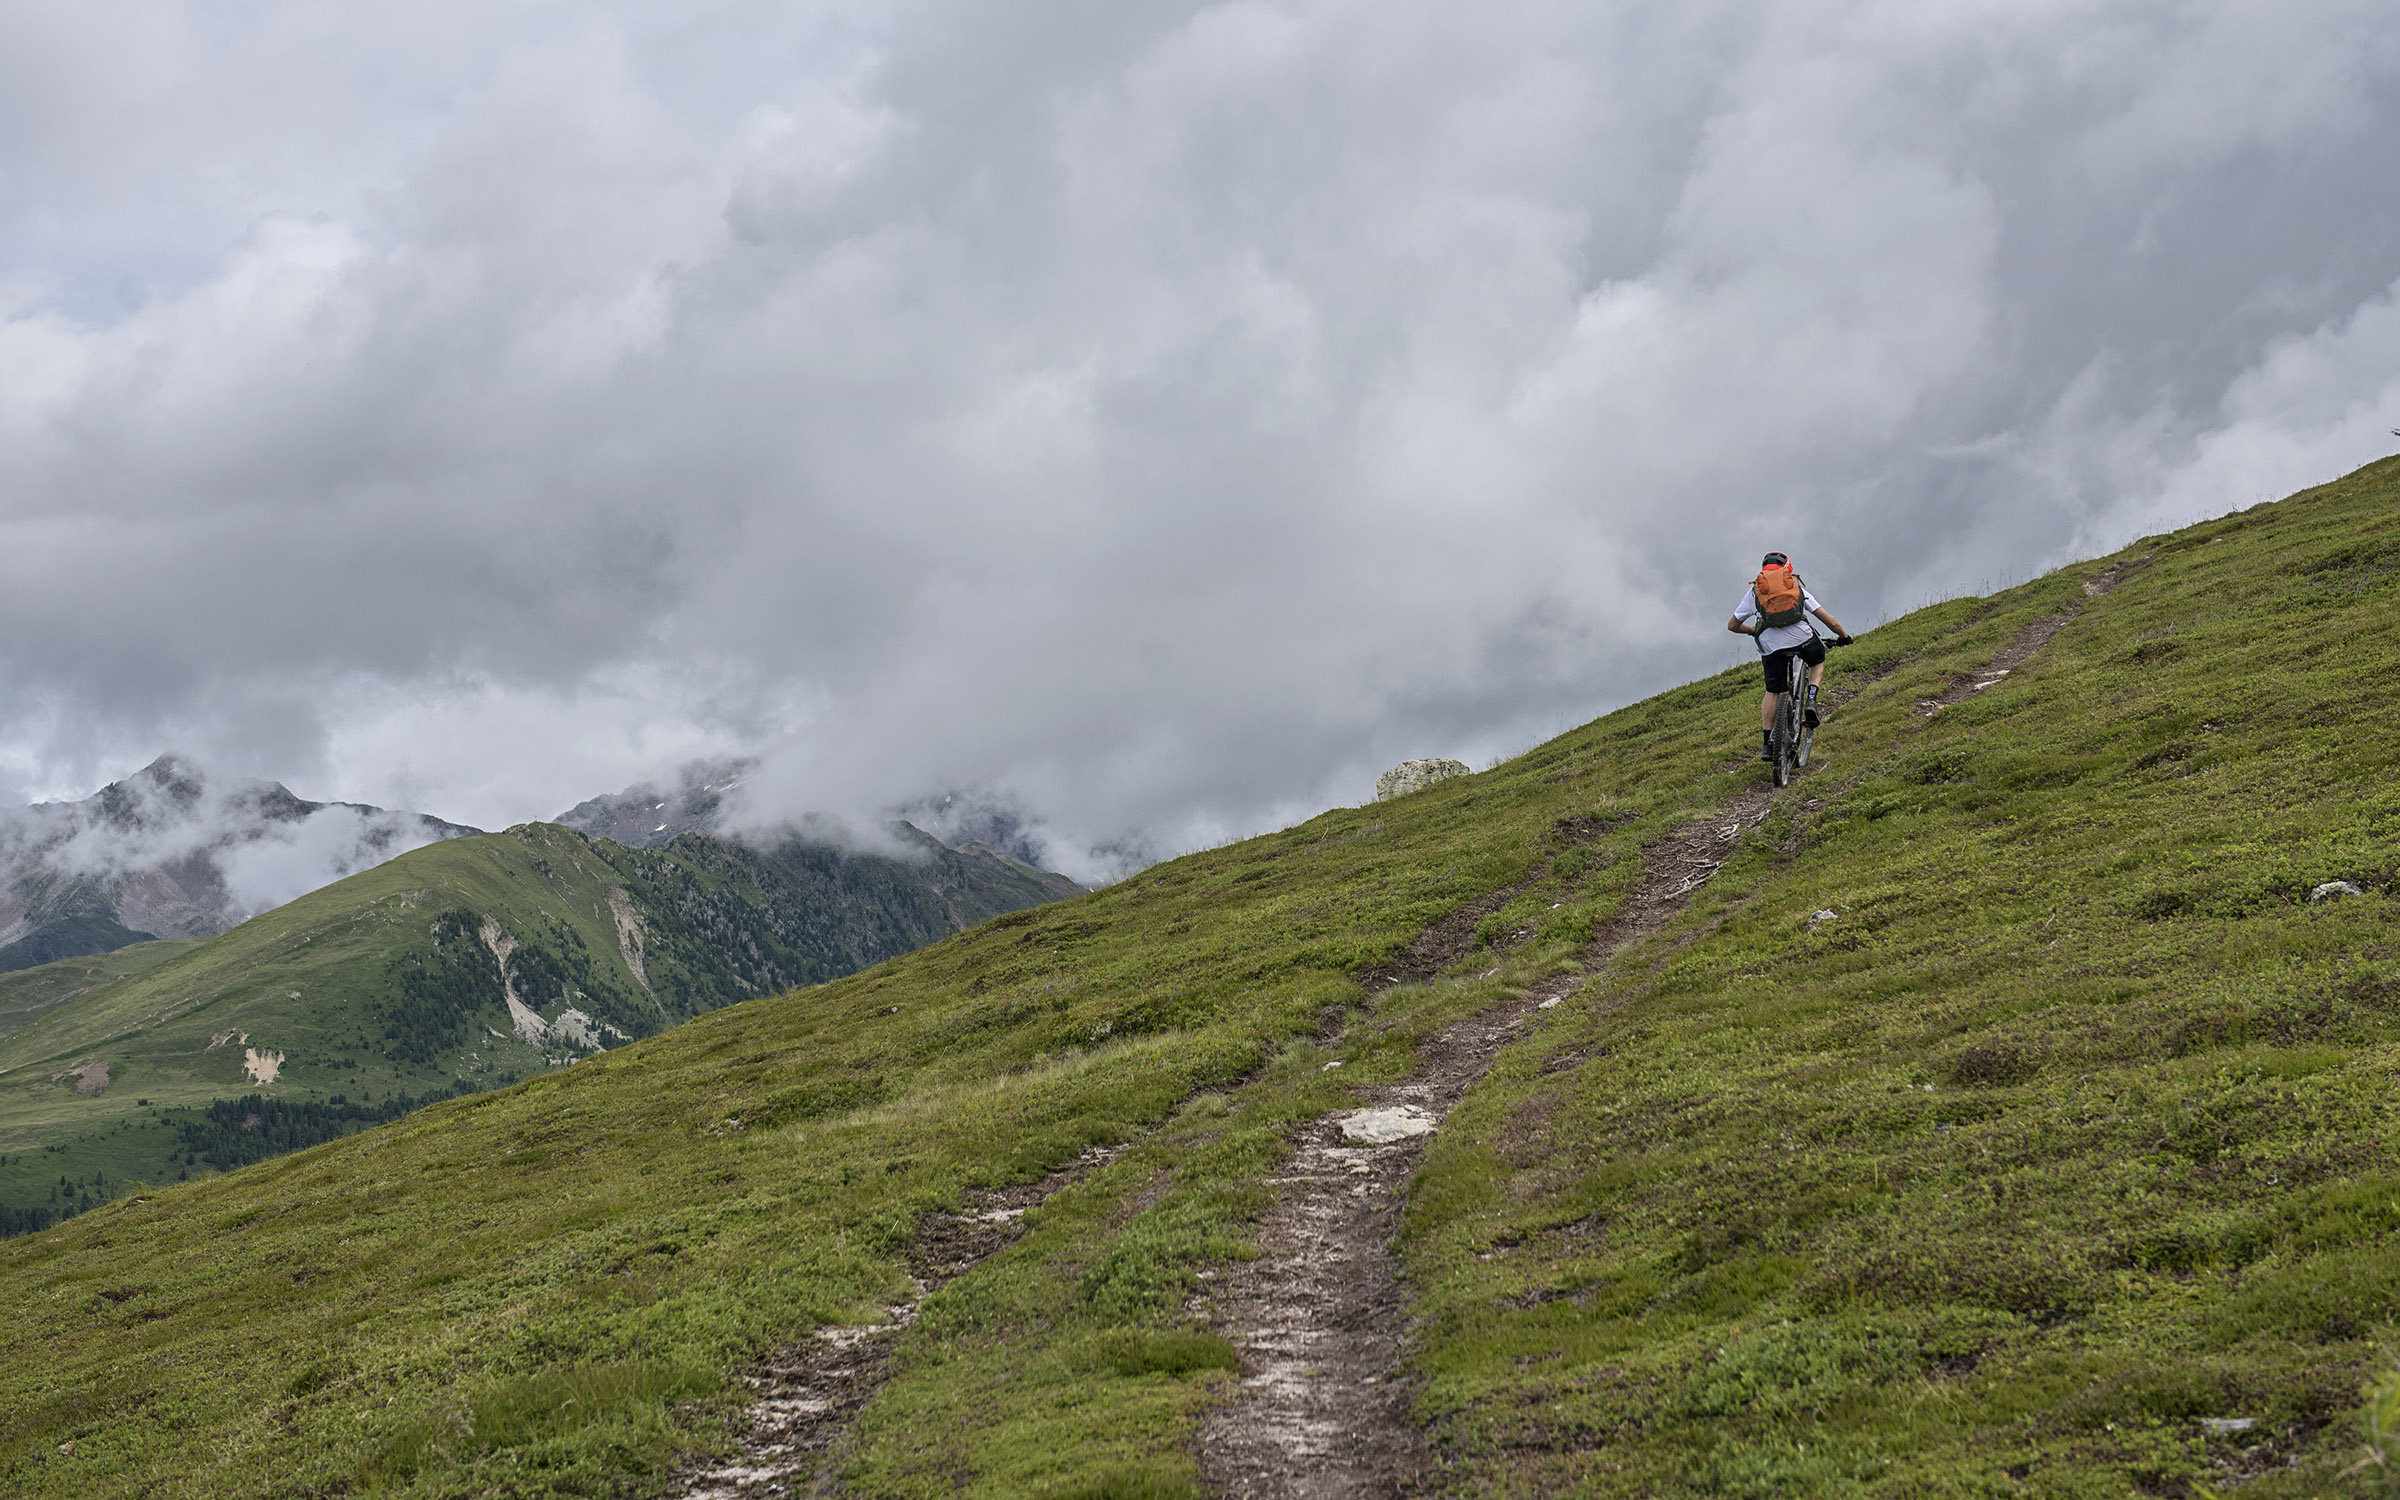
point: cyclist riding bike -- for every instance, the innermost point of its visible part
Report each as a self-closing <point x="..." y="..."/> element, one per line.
<point x="1774" y="611"/>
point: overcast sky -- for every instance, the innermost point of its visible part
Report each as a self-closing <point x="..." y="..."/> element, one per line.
<point x="1164" y="415"/>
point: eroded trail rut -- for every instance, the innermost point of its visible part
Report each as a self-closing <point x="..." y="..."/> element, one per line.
<point x="797" y="1433"/>
<point x="1322" y="1411"/>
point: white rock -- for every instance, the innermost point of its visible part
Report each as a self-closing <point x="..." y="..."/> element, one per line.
<point x="1378" y="1127"/>
<point x="576" y="1027"/>
<point x="1824" y="916"/>
<point x="1415" y="775"/>
<point x="2331" y="889"/>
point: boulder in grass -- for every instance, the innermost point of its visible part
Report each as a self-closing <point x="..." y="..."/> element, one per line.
<point x="2332" y="889"/>
<point x="1415" y="775"/>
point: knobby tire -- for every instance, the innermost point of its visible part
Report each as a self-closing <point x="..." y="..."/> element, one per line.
<point x="1787" y="719"/>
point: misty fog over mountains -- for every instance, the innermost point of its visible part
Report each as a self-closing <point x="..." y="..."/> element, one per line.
<point x="176" y="850"/>
<point x="172" y="852"/>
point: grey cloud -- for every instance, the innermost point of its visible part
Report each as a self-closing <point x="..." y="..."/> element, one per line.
<point x="1156" y="416"/>
<point x="176" y="852"/>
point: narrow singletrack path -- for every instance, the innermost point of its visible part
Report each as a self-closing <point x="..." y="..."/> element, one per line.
<point x="797" y="1433"/>
<point x="1322" y="1411"/>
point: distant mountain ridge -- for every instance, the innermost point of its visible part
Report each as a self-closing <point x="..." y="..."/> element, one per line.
<point x="169" y="852"/>
<point x="164" y="853"/>
<point x="646" y="816"/>
<point x="470" y="963"/>
<point x="963" y="881"/>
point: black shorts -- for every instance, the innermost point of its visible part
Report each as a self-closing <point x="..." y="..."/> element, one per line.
<point x="1779" y="663"/>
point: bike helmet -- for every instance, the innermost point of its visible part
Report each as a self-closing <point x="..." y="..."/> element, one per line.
<point x="1775" y="560"/>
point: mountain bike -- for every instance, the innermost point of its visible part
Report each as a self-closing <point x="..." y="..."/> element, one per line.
<point x="1793" y="736"/>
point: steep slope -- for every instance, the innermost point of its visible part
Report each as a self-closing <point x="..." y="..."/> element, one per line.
<point x="2064" y="1132"/>
<point x="164" y="853"/>
<point x="455" y="967"/>
<point x="649" y="815"/>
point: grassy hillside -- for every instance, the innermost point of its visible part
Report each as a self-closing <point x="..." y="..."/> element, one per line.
<point x="459" y="966"/>
<point x="2067" y="1130"/>
<point x="26" y="993"/>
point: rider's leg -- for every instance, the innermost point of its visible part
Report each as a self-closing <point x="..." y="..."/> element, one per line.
<point x="1766" y="711"/>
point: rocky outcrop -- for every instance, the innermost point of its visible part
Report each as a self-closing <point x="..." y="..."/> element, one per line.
<point x="649" y="816"/>
<point x="1415" y="775"/>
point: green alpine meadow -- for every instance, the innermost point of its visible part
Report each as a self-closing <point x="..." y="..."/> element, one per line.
<point x="456" y="967"/>
<point x="2014" y="1110"/>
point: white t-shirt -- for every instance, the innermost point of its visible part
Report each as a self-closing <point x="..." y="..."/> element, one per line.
<point x="1779" y="637"/>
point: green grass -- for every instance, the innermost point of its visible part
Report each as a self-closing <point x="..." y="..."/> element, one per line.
<point x="27" y="993"/>
<point x="321" y="988"/>
<point x="2070" y="1131"/>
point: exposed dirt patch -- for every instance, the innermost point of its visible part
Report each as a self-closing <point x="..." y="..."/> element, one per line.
<point x="797" y="1433"/>
<point x="1322" y="1410"/>
<point x="90" y="1078"/>
<point x="2031" y="639"/>
<point x="1441" y="944"/>
<point x="261" y="1064"/>
<point x="2114" y="574"/>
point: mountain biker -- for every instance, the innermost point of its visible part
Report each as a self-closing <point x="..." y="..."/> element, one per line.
<point x="1779" y="643"/>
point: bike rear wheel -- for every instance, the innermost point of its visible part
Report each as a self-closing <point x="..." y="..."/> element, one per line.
<point x="1787" y="730"/>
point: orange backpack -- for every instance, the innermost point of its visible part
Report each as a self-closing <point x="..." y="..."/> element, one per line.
<point x="1780" y="593"/>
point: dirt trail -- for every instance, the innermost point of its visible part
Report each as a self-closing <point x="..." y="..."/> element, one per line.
<point x="2029" y="641"/>
<point x="796" y="1434"/>
<point x="1322" y="1410"/>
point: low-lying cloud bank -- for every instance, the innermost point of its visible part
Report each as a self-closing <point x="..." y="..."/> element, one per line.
<point x="1161" y="417"/>
<point x="174" y="851"/>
